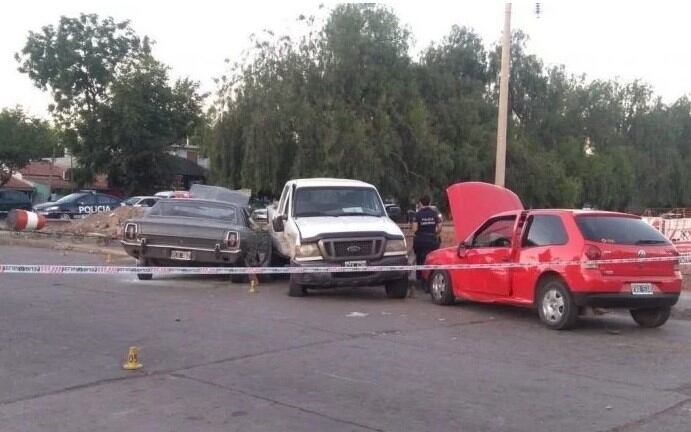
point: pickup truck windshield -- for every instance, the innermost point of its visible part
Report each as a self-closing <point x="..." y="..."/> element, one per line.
<point x="619" y="230"/>
<point x="337" y="201"/>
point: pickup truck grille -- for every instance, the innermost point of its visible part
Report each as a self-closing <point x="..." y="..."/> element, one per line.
<point x="353" y="248"/>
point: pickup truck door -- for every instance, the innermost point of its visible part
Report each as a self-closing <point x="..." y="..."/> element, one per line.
<point x="490" y="244"/>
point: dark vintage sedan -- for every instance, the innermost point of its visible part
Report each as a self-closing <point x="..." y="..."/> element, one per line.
<point x="213" y="228"/>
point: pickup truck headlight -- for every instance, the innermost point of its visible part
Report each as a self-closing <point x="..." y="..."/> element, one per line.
<point x="307" y="250"/>
<point x="396" y="247"/>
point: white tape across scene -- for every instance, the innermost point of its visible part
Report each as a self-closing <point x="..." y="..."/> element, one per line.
<point x="79" y="269"/>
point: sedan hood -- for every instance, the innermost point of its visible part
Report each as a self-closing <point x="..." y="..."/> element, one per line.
<point x="472" y="203"/>
<point x="314" y="227"/>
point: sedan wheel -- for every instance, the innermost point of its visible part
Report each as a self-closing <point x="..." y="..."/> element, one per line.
<point x="556" y="307"/>
<point x="440" y="288"/>
<point x="65" y="217"/>
<point x="651" y="317"/>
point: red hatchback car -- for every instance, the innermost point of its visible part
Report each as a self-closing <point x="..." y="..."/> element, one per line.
<point x="556" y="253"/>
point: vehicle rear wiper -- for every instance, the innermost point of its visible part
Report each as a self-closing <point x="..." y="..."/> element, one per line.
<point x="650" y="241"/>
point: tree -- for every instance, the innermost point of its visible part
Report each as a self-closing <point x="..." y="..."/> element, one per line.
<point x="112" y="98"/>
<point x="22" y="138"/>
<point x="145" y="115"/>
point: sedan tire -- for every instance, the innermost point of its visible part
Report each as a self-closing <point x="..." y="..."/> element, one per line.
<point x="440" y="288"/>
<point x="555" y="305"/>
<point x="651" y="317"/>
<point x="142" y="262"/>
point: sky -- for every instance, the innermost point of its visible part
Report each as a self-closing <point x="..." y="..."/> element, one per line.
<point x="602" y="39"/>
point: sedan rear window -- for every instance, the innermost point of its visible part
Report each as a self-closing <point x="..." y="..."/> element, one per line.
<point x="618" y="230"/>
<point x="195" y="209"/>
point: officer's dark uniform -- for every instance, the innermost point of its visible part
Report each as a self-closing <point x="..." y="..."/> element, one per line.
<point x="426" y="239"/>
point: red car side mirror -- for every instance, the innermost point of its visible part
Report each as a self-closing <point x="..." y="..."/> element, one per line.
<point x="462" y="246"/>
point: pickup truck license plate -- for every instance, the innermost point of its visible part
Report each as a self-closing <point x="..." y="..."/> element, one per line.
<point x="181" y="255"/>
<point x="355" y="264"/>
<point x="642" y="289"/>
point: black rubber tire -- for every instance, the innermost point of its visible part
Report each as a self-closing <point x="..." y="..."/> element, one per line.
<point x="397" y="289"/>
<point x="238" y="278"/>
<point x="295" y="289"/>
<point x="141" y="262"/>
<point x="441" y="295"/>
<point x="651" y="317"/>
<point x="563" y="313"/>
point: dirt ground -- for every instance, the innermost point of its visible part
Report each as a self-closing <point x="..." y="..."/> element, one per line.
<point x="108" y="224"/>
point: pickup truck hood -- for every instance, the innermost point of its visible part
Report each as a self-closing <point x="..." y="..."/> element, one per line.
<point x="472" y="203"/>
<point x="312" y="227"/>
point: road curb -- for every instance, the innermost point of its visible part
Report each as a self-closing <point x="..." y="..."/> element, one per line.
<point x="84" y="244"/>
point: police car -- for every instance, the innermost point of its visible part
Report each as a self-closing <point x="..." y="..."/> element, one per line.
<point x="78" y="205"/>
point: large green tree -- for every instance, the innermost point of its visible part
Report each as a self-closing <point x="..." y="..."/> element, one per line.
<point x="22" y="138"/>
<point x="114" y="101"/>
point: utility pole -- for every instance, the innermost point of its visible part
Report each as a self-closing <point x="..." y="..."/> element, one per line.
<point x="503" y="117"/>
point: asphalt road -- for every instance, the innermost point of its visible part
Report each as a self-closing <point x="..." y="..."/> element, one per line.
<point x="217" y="358"/>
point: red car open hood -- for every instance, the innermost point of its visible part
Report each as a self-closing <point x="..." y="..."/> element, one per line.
<point x="472" y="203"/>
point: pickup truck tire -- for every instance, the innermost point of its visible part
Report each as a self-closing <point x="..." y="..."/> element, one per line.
<point x="440" y="288"/>
<point x="397" y="289"/>
<point x="295" y="289"/>
<point x="651" y="317"/>
<point x="238" y="278"/>
<point x="142" y="262"/>
<point x="555" y="304"/>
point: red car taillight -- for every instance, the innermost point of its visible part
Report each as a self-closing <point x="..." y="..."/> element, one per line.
<point x="675" y="253"/>
<point x="130" y="232"/>
<point x="232" y="240"/>
<point x="591" y="253"/>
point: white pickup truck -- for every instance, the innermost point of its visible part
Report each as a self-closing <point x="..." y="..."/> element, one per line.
<point x="336" y="222"/>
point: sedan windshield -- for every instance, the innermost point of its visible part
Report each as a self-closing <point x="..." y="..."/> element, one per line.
<point x="195" y="209"/>
<point x="69" y="198"/>
<point x="619" y="230"/>
<point x="337" y="201"/>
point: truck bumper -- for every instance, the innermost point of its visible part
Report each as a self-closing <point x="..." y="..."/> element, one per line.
<point x="161" y="255"/>
<point x="364" y="278"/>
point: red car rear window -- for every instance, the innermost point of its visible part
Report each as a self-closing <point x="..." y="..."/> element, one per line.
<point x="618" y="230"/>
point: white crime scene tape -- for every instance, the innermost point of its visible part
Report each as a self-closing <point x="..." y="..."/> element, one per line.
<point x="82" y="269"/>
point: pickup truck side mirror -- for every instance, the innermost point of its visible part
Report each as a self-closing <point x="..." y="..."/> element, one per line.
<point x="462" y="247"/>
<point x="278" y="223"/>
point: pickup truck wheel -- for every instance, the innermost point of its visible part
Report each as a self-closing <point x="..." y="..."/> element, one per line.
<point x="143" y="262"/>
<point x="397" y="289"/>
<point x="295" y="289"/>
<point x="440" y="288"/>
<point x="237" y="278"/>
<point x="555" y="305"/>
<point x="651" y="317"/>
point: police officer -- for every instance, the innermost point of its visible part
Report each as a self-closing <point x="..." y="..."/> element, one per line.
<point x="427" y="227"/>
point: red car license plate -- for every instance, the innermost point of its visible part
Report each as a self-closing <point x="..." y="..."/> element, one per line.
<point x="642" y="289"/>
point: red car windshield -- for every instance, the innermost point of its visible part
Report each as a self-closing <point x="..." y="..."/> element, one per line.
<point x="619" y="230"/>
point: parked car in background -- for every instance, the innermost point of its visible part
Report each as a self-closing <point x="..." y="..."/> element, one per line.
<point x="141" y="201"/>
<point x="12" y="199"/>
<point x="210" y="229"/>
<point x="172" y="194"/>
<point x="562" y="256"/>
<point x="78" y="205"/>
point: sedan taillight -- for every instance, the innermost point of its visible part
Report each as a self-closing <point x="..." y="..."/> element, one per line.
<point x="131" y="231"/>
<point x="592" y="253"/>
<point x="232" y="240"/>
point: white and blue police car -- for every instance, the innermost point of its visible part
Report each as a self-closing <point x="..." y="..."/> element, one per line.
<point x="78" y="205"/>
